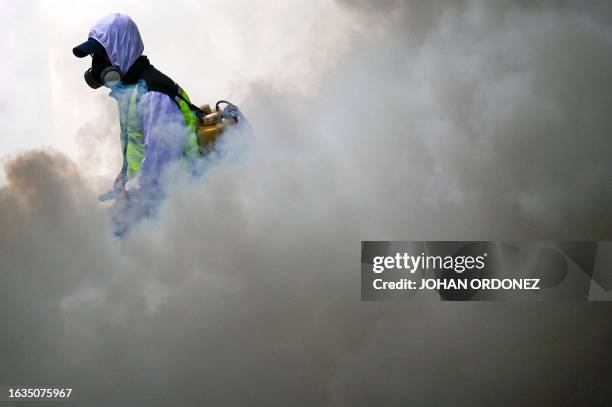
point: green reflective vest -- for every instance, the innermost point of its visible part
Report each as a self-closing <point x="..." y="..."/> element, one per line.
<point x="134" y="144"/>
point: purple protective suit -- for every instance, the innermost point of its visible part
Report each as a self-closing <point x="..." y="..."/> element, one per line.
<point x="161" y="121"/>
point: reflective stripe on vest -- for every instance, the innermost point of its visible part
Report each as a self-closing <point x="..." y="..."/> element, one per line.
<point x="192" y="149"/>
<point x="135" y="139"/>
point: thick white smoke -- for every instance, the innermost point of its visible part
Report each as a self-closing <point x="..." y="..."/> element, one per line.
<point x="436" y="121"/>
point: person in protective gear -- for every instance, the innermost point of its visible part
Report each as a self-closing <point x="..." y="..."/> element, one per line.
<point x="157" y="119"/>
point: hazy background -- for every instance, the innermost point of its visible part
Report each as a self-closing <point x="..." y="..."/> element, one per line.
<point x="374" y="120"/>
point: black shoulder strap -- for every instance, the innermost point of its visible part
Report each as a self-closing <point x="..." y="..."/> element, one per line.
<point x="159" y="82"/>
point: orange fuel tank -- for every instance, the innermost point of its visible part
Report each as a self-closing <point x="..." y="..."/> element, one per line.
<point x="210" y="128"/>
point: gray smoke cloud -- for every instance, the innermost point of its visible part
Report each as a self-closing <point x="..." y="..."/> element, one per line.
<point x="458" y="120"/>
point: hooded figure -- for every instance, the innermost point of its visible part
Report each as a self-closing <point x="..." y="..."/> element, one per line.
<point x="156" y="116"/>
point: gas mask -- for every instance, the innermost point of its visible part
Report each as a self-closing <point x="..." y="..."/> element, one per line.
<point x="102" y="72"/>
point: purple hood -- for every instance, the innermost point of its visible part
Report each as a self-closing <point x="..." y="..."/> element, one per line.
<point x="119" y="35"/>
